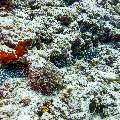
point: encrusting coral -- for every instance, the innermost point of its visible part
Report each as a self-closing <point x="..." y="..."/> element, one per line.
<point x="45" y="79"/>
<point x="20" y="50"/>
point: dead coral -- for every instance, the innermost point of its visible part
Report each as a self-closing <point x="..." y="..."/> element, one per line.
<point x="45" y="79"/>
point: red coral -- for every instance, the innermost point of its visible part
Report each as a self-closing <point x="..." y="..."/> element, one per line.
<point x="21" y="47"/>
<point x="6" y="57"/>
<point x="20" y="50"/>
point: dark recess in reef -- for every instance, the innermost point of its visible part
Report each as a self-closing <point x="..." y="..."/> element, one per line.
<point x="13" y="70"/>
<point x="69" y="2"/>
<point x="64" y="19"/>
<point x="97" y="107"/>
<point x="59" y="59"/>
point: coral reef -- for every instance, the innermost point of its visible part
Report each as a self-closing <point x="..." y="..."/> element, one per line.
<point x="72" y="67"/>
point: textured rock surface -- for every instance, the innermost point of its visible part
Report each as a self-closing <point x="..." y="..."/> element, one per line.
<point x="81" y="38"/>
